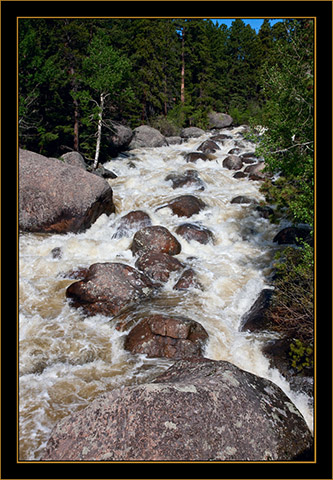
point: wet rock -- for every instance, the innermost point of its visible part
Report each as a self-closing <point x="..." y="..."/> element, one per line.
<point x="249" y="157"/>
<point x="220" y="137"/>
<point x="174" y="140"/>
<point x="241" y="199"/>
<point x="209" y="146"/>
<point x="58" y="198"/>
<point x="131" y="223"/>
<point x="188" y="178"/>
<point x="219" y="120"/>
<point x="155" y="239"/>
<point x="199" y="409"/>
<point x="191" y="231"/>
<point x="165" y="336"/>
<point x="255" y="169"/>
<point x="264" y="211"/>
<point x="158" y="266"/>
<point x="187" y="280"/>
<point x="145" y="136"/>
<point x="103" y="172"/>
<point x="185" y="206"/>
<point x="192" y="157"/>
<point x="239" y="175"/>
<point x="78" y="273"/>
<point x="293" y="235"/>
<point x="56" y="252"/>
<point x="255" y="319"/>
<point x="109" y="287"/>
<point x="234" y="151"/>
<point x="232" y="162"/>
<point x="191" y="132"/>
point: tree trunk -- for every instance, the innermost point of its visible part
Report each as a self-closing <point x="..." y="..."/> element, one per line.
<point x="76" y="125"/>
<point x="99" y="130"/>
<point x="182" y="86"/>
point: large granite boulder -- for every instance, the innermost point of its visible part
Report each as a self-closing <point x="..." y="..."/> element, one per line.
<point x="107" y="288"/>
<point x="191" y="132"/>
<point x="145" y="136"/>
<point x="118" y="139"/>
<point x="57" y="197"/>
<point x="166" y="336"/>
<point x="219" y="120"/>
<point x="198" y="410"/>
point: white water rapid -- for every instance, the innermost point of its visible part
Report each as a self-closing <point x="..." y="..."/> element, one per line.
<point x="67" y="359"/>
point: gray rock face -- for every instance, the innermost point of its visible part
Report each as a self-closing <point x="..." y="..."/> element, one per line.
<point x="191" y="132"/>
<point x="219" y="120"/>
<point x="199" y="409"/>
<point x="57" y="197"/>
<point x="145" y="136"/>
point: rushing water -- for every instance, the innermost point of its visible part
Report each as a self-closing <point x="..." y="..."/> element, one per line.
<point x="66" y="359"/>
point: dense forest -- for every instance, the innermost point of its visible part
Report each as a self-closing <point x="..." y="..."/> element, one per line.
<point x="79" y="75"/>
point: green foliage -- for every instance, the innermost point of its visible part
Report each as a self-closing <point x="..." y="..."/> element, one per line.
<point x="301" y="355"/>
<point x="291" y="311"/>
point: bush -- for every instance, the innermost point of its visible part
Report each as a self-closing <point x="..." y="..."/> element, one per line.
<point x="291" y="312"/>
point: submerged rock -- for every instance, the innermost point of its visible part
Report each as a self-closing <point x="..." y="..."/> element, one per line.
<point x="56" y="197"/>
<point x="188" y="178"/>
<point x="109" y="287"/>
<point x="166" y="336"/>
<point x="198" y="410"/>
<point x="132" y="222"/>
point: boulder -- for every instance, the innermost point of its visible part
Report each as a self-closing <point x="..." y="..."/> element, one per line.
<point x="191" y="132"/>
<point x="293" y="235"/>
<point x="174" y="140"/>
<point x="118" y="139"/>
<point x="255" y="319"/>
<point x="75" y="159"/>
<point x="232" y="162"/>
<point x="255" y="169"/>
<point x="155" y="239"/>
<point x="55" y="197"/>
<point x="192" y="157"/>
<point x="158" y="266"/>
<point x="164" y="336"/>
<point x="191" y="231"/>
<point x="198" y="410"/>
<point x="131" y="223"/>
<point x="220" y="137"/>
<point x="239" y="175"/>
<point x="208" y="146"/>
<point x="145" y="136"/>
<point x="219" y="120"/>
<point x="109" y="287"/>
<point x="241" y="199"/>
<point x="188" y="178"/>
<point x="187" y="280"/>
<point x="185" y="205"/>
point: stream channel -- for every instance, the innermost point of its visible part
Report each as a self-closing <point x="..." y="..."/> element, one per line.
<point x="66" y="359"/>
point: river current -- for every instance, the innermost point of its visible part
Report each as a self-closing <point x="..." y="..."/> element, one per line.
<point x="66" y="359"/>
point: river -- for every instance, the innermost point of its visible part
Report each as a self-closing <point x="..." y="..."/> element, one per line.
<point x="66" y="359"/>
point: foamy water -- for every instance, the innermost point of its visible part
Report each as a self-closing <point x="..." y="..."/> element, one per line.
<point x="67" y="360"/>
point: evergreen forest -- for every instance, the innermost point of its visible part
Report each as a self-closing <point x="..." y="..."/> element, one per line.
<point x="170" y="73"/>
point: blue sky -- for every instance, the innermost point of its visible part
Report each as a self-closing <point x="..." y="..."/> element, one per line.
<point x="253" y="22"/>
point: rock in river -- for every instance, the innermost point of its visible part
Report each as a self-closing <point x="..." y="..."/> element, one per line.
<point x="185" y="205"/>
<point x="56" y="197"/>
<point x="164" y="336"/>
<point x="158" y="266"/>
<point x="199" y="409"/>
<point x="109" y="287"/>
<point x="155" y="239"/>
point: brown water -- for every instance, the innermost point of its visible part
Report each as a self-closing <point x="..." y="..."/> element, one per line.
<point x="66" y="360"/>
